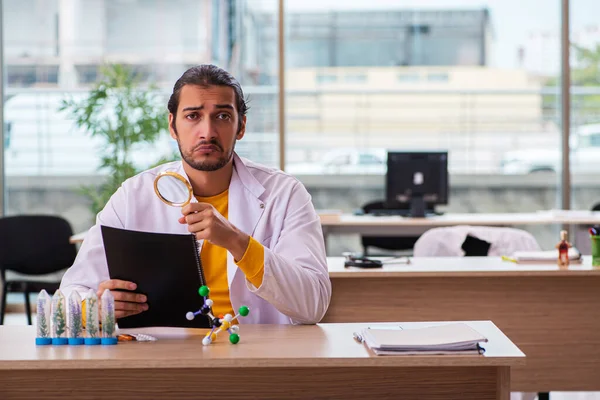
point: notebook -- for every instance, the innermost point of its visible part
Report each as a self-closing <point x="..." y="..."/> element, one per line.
<point x="545" y="257"/>
<point x="453" y="338"/>
<point x="165" y="267"/>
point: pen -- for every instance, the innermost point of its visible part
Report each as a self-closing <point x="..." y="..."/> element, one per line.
<point x="506" y="258"/>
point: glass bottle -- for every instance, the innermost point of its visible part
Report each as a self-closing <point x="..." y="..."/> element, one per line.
<point x="74" y="320"/>
<point x="108" y="318"/>
<point x="43" y="319"/>
<point x="563" y="250"/>
<point x="91" y="318"/>
<point x="59" y="319"/>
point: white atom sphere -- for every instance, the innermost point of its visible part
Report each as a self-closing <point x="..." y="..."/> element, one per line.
<point x="209" y="303"/>
<point x="235" y="328"/>
<point x="228" y="317"/>
<point x="189" y="316"/>
<point x="206" y="341"/>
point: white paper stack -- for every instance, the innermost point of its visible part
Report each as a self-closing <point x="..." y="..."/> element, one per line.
<point x="452" y="338"/>
<point x="545" y="257"/>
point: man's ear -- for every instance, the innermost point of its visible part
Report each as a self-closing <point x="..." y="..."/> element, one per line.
<point x="242" y="130"/>
<point x="172" y="126"/>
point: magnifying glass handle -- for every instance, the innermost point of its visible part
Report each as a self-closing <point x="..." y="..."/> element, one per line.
<point x="201" y="241"/>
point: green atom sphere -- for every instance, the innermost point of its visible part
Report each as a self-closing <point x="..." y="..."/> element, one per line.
<point x="234" y="338"/>
<point x="203" y="291"/>
<point x="244" y="311"/>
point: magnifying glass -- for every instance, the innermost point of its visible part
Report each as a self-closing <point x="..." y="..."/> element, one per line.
<point x="173" y="189"/>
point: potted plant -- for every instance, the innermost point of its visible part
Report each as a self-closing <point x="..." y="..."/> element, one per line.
<point x="124" y="116"/>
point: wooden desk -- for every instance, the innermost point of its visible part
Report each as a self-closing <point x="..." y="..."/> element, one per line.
<point x="551" y="314"/>
<point x="368" y="225"/>
<point x="77" y="238"/>
<point x="321" y="361"/>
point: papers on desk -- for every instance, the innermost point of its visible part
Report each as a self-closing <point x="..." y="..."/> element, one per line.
<point x="452" y="338"/>
<point x="545" y="257"/>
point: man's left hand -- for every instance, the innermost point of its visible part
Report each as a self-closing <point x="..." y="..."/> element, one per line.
<point x="207" y="223"/>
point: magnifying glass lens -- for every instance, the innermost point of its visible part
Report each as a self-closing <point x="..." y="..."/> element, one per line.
<point x="173" y="189"/>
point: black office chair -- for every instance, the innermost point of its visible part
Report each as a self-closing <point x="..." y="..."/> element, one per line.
<point x="33" y="245"/>
<point x="395" y="243"/>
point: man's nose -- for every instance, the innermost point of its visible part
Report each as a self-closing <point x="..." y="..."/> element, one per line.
<point x="205" y="129"/>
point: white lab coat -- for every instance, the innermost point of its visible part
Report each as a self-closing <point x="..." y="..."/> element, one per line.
<point x="271" y="206"/>
<point x="447" y="241"/>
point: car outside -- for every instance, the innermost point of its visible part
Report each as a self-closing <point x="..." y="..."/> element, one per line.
<point x="585" y="155"/>
<point x="344" y="162"/>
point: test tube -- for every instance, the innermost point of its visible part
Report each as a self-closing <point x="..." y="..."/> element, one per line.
<point x="91" y="318"/>
<point x="43" y="319"/>
<point x="59" y="319"/>
<point x="108" y="318"/>
<point x="74" y="321"/>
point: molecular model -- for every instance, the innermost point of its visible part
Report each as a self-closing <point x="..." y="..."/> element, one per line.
<point x="218" y="324"/>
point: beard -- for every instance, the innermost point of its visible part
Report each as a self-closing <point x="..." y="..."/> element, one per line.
<point x="215" y="165"/>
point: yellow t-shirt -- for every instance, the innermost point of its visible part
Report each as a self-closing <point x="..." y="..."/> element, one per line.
<point x="214" y="261"/>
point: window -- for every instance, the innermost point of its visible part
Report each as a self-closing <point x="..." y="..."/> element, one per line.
<point x="418" y="29"/>
<point x="408" y="77"/>
<point x="326" y="78"/>
<point x="595" y="140"/>
<point x="56" y="49"/>
<point x="585" y="103"/>
<point x="439" y="78"/>
<point x="480" y="81"/>
<point x="355" y="78"/>
<point x="343" y="159"/>
<point x="366" y="159"/>
<point x="31" y="75"/>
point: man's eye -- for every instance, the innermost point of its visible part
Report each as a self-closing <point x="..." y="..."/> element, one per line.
<point x="191" y="116"/>
<point x="223" y="116"/>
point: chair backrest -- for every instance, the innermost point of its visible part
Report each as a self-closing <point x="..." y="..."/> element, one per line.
<point x="385" y="242"/>
<point x="35" y="244"/>
<point x="448" y="241"/>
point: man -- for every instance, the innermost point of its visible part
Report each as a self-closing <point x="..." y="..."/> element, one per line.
<point x="263" y="244"/>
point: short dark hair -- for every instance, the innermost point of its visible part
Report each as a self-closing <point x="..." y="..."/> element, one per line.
<point x="208" y="75"/>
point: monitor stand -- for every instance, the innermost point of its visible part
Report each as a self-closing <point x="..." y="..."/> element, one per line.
<point x="417" y="206"/>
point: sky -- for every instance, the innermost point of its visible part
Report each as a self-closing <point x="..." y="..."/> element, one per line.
<point x="532" y="24"/>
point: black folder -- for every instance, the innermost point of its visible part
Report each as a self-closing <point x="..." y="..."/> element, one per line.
<point x="165" y="267"/>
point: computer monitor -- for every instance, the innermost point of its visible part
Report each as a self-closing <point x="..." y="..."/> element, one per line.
<point x="417" y="179"/>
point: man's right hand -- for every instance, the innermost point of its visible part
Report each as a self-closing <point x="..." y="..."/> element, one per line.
<point x="126" y="303"/>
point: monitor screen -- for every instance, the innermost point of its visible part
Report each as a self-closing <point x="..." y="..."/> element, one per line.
<point x="420" y="175"/>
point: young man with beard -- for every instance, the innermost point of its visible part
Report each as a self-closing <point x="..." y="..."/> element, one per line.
<point x="263" y="243"/>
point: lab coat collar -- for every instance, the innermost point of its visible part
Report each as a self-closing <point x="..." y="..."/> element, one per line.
<point x="240" y="173"/>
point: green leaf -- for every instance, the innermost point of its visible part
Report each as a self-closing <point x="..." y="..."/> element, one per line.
<point x="125" y="115"/>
